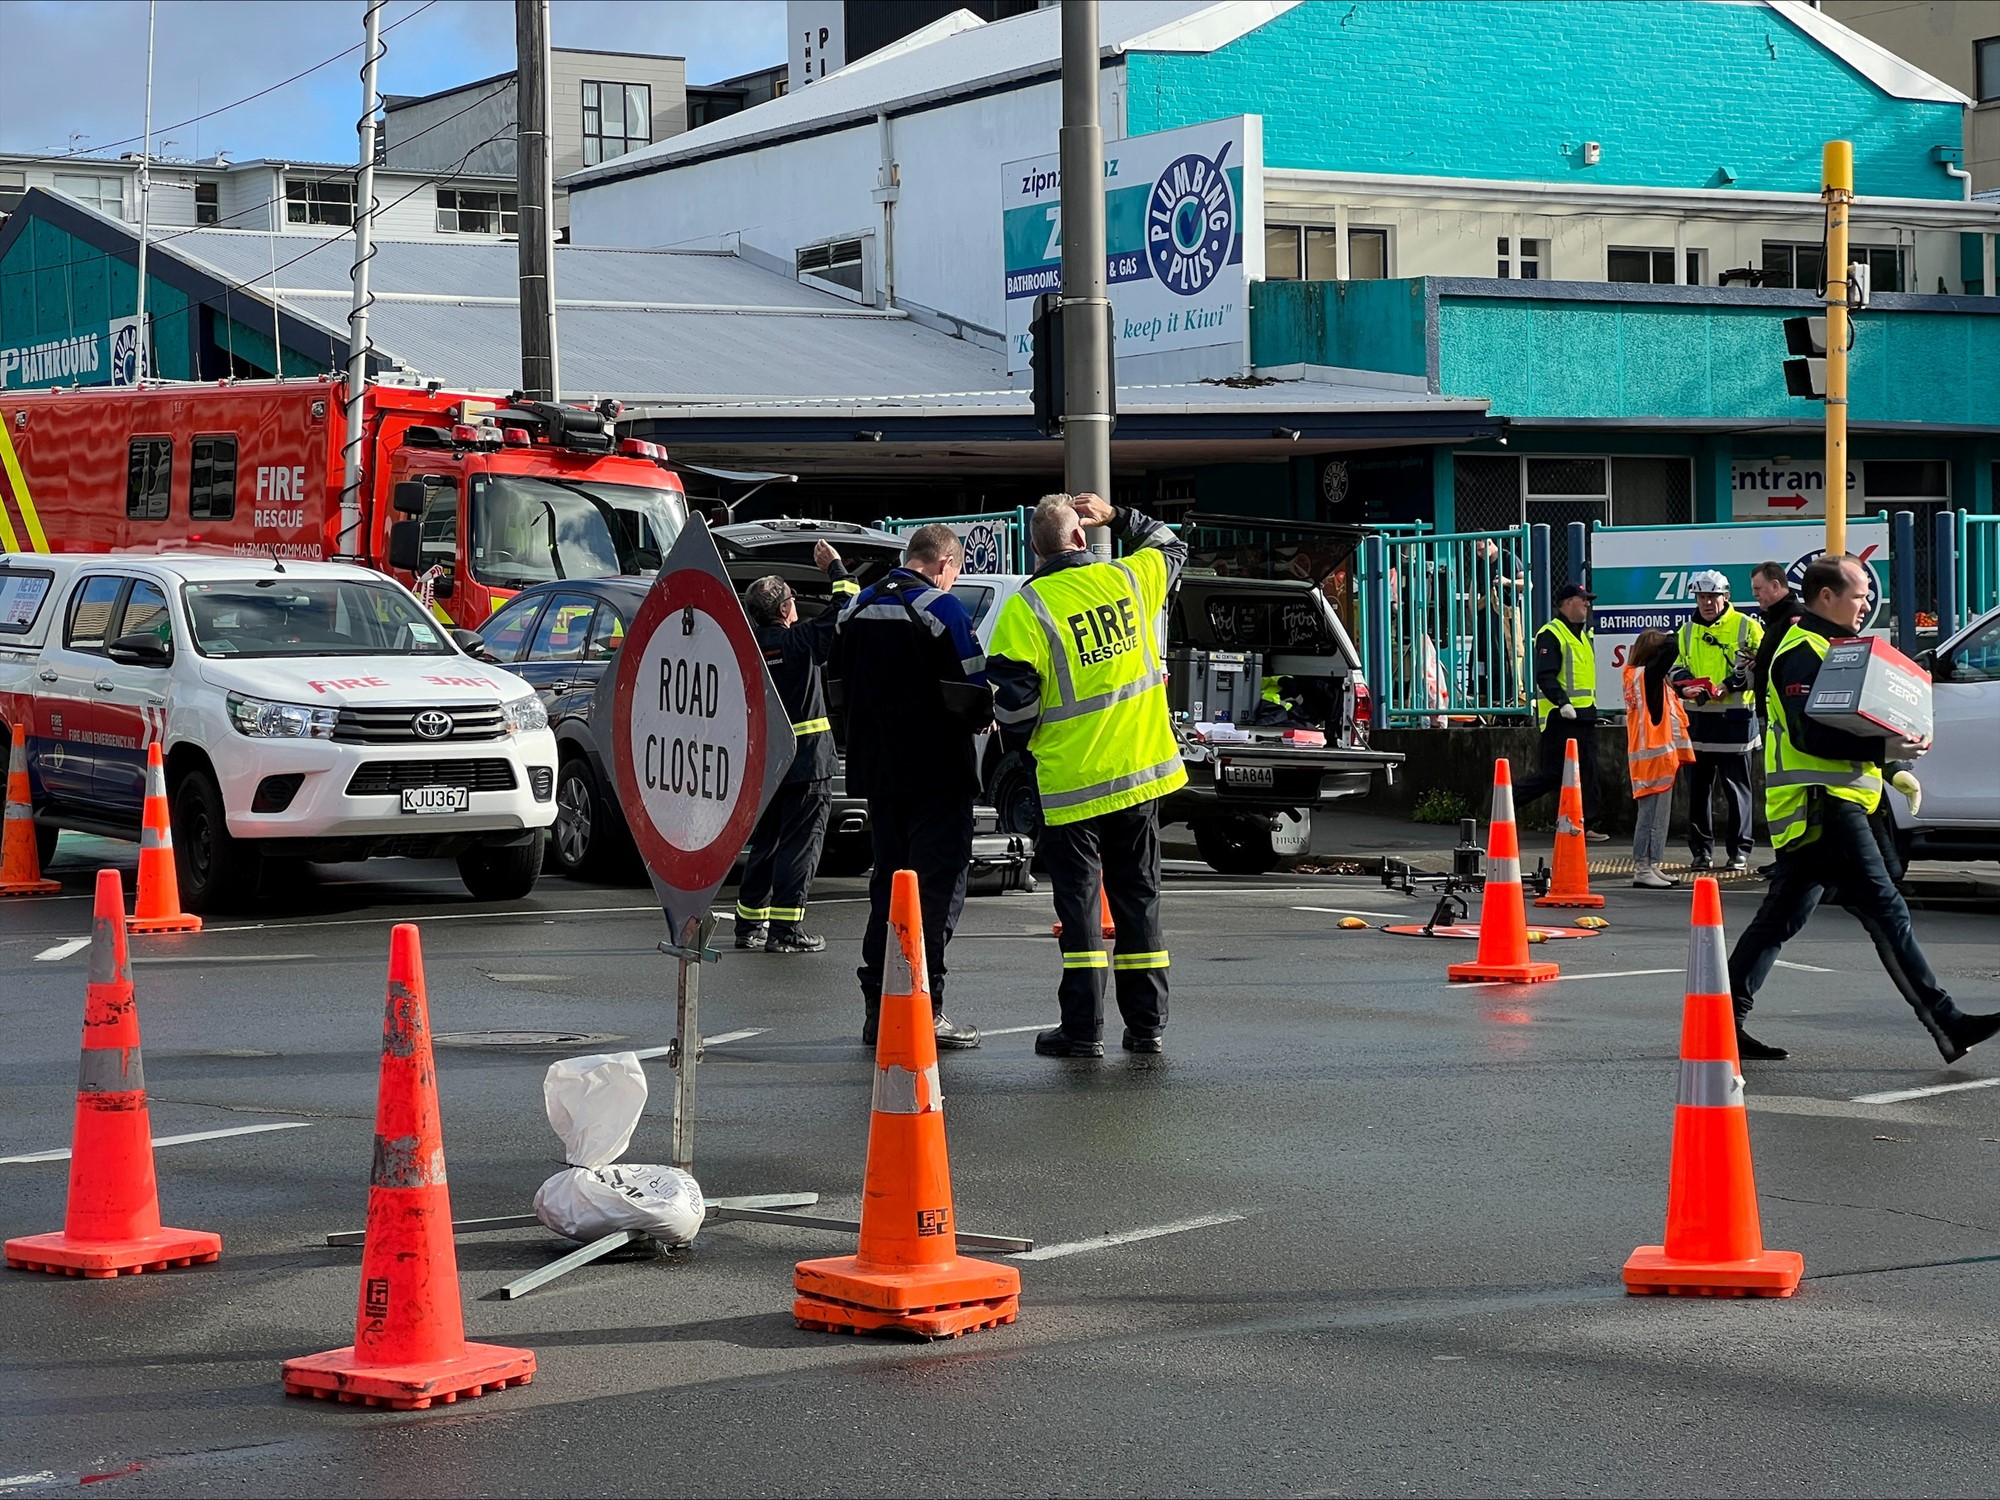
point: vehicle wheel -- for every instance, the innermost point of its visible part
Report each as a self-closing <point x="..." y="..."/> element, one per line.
<point x="1238" y="845"/>
<point x="1016" y="798"/>
<point x="504" y="874"/>
<point x="847" y="854"/>
<point x="45" y="844"/>
<point x="580" y="838"/>
<point x="216" y="869"/>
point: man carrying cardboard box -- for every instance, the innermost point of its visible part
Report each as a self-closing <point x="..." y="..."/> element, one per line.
<point x="1820" y="786"/>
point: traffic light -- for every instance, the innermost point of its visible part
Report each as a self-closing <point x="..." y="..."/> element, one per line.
<point x="1045" y="331"/>
<point x="1805" y="375"/>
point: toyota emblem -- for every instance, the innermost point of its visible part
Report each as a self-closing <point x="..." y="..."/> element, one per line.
<point x="432" y="724"/>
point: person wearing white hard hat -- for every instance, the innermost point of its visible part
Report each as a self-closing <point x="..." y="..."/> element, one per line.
<point x="1717" y="651"/>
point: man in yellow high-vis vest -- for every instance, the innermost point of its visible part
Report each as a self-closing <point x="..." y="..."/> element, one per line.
<point x="1079" y="682"/>
<point x="1717" y="653"/>
<point x="1821" y="785"/>
<point x="1566" y="703"/>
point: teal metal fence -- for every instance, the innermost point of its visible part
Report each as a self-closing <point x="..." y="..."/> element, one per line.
<point x="994" y="541"/>
<point x="1978" y="565"/>
<point x="1447" y="622"/>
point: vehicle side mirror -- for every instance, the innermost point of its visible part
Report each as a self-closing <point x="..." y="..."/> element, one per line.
<point x="406" y="553"/>
<point x="407" y="497"/>
<point x="473" y="644"/>
<point x="141" y="650"/>
<point x="1938" y="666"/>
<point x="445" y="586"/>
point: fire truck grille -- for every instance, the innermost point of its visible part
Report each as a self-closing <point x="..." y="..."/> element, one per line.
<point x="383" y="778"/>
<point x="403" y="725"/>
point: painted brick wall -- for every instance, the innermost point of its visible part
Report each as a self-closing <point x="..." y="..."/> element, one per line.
<point x="1511" y="89"/>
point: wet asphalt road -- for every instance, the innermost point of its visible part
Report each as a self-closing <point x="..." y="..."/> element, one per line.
<point x="1398" y="1212"/>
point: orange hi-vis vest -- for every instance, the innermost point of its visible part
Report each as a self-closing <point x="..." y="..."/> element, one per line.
<point x="1654" y="752"/>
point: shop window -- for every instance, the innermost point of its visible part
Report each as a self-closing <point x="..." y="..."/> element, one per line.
<point x="1648" y="266"/>
<point x="470" y="211"/>
<point x="617" y="117"/>
<point x="212" y="479"/>
<point x="207" y="203"/>
<point x="1905" y="479"/>
<point x="1529" y="264"/>
<point x="1367" y="254"/>
<point x="319" y="202"/>
<point x="837" y="266"/>
<point x="149" y="478"/>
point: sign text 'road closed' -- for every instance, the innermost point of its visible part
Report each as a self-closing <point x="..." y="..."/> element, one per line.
<point x="690" y="728"/>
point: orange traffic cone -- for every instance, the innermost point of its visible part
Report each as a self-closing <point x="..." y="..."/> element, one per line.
<point x="1569" y="882"/>
<point x="158" y="908"/>
<point x="1503" y="906"/>
<point x="1103" y="915"/>
<point x="908" y="1275"/>
<point x="20" y="863"/>
<point x="409" y="1350"/>
<point x="112" y="1226"/>
<point x="1715" y="1242"/>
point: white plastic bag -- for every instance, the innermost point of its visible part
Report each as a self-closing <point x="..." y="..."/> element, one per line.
<point x="594" y="1105"/>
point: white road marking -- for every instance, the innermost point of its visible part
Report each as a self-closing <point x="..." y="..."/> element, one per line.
<point x="1897" y="1096"/>
<point x="1786" y="963"/>
<point x="56" y="954"/>
<point x="1106" y="1241"/>
<point x="170" y="1140"/>
<point x="147" y="961"/>
<point x="1613" y="974"/>
<point x="707" y="1041"/>
<point x="529" y="978"/>
<point x="1350" y="911"/>
<point x="1013" y="1030"/>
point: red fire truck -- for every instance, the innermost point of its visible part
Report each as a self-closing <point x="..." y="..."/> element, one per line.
<point x="476" y="497"/>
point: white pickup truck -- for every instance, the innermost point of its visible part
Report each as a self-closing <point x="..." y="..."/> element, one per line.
<point x="304" y="711"/>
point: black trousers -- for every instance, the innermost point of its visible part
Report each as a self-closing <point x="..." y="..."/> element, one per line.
<point x="783" y="855"/>
<point x="1731" y="769"/>
<point x="1119" y="851"/>
<point x="1847" y="864"/>
<point x="931" y="835"/>
<point x="1548" y="775"/>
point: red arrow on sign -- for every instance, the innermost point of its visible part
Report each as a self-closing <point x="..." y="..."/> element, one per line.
<point x="1786" y="502"/>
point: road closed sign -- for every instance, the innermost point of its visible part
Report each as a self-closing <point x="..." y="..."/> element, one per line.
<point x="699" y="738"/>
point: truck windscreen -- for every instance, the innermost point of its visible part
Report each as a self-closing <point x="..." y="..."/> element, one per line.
<point x="282" y="616"/>
<point x="528" y="529"/>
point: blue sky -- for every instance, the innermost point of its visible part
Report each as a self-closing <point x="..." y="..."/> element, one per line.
<point x="88" y="68"/>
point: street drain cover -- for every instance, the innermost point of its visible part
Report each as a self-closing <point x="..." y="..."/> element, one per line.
<point x="525" y="1038"/>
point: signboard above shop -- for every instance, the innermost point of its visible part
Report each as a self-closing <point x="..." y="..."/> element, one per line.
<point x="1794" y="489"/>
<point x="1183" y="215"/>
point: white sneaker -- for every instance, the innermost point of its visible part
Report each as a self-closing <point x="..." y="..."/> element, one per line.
<point x="1649" y="878"/>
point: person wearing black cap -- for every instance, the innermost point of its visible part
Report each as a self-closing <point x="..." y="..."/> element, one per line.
<point x="1566" y="702"/>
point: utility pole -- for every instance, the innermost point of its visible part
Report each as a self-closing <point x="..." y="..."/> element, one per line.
<point x="534" y="165"/>
<point x="349" y="541"/>
<point x="1086" y="309"/>
<point x="141" y="365"/>
<point x="1837" y="191"/>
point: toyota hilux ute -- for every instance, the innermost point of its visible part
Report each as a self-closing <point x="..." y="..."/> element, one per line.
<point x="304" y="710"/>
<point x="1255" y="770"/>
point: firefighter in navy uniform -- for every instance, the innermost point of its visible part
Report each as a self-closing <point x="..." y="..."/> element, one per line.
<point x="784" y="847"/>
<point x="1079" y="682"/>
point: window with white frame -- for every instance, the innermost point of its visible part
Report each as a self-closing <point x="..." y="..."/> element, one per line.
<point x="1495" y="491"/>
<point x="1648" y="265"/>
<point x="617" y="117"/>
<point x="475" y="211"/>
<point x="13" y="188"/>
<point x="837" y="266"/>
<point x="319" y="201"/>
<point x="1310" y="252"/>
<point x="207" y="203"/>
<point x="1526" y="259"/>
<point x="105" y="194"/>
<point x="1800" y="264"/>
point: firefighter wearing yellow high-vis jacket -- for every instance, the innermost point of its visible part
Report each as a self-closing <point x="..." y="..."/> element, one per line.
<point x="1079" y="682"/>
<point x="1821" y="785"/>
<point x="1712" y="672"/>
